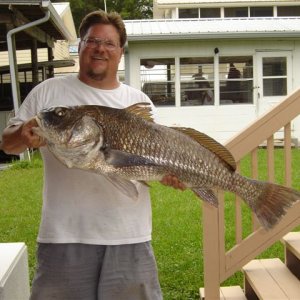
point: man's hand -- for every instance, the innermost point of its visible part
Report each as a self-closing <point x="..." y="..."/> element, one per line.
<point x="173" y="181"/>
<point x="18" y="138"/>
<point x="29" y="137"/>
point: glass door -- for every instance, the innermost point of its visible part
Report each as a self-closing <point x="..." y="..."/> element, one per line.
<point x="274" y="78"/>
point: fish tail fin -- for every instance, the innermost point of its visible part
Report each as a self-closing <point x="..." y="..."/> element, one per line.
<point x="269" y="201"/>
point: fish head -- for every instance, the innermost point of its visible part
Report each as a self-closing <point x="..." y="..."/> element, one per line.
<point x="71" y="133"/>
<point x="67" y="125"/>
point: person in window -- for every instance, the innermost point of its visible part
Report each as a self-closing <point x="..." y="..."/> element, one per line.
<point x="94" y="242"/>
<point x="233" y="86"/>
<point x="205" y="93"/>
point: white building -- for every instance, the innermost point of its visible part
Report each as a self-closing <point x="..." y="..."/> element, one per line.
<point x="216" y="65"/>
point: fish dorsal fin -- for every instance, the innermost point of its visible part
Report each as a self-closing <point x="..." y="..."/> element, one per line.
<point x="210" y="144"/>
<point x="142" y="109"/>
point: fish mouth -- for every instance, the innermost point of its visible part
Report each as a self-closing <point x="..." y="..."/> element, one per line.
<point x="38" y="130"/>
<point x="38" y="120"/>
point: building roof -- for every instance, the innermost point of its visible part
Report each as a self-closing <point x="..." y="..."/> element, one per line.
<point x="227" y="28"/>
<point x="15" y="13"/>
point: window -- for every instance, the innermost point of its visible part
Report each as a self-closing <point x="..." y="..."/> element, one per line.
<point x="235" y="12"/>
<point x="239" y="12"/>
<point x="196" y="81"/>
<point x="158" y="80"/>
<point x="236" y="80"/>
<point x="184" y="13"/>
<point x="261" y="11"/>
<point x="288" y="11"/>
<point x="210" y="13"/>
<point x="274" y="76"/>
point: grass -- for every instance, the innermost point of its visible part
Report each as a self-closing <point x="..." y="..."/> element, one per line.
<point x="177" y="226"/>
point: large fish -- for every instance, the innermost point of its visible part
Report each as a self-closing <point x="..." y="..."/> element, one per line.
<point x="125" y="145"/>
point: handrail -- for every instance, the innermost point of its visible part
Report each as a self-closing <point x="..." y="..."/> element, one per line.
<point x="247" y="140"/>
<point x="219" y="264"/>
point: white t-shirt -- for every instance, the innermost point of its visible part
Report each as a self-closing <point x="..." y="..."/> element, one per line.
<point x="80" y="206"/>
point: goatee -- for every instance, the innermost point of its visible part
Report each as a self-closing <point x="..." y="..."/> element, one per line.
<point x="96" y="76"/>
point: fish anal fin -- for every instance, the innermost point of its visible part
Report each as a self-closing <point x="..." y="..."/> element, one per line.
<point x="142" y="109"/>
<point x="210" y="144"/>
<point x="207" y="195"/>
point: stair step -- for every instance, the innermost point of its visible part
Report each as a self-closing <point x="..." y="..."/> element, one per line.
<point x="292" y="242"/>
<point x="227" y="293"/>
<point x="292" y="252"/>
<point x="270" y="279"/>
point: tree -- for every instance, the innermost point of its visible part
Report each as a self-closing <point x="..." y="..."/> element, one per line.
<point x="128" y="9"/>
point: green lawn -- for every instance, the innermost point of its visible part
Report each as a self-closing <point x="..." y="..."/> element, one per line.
<point x="177" y="227"/>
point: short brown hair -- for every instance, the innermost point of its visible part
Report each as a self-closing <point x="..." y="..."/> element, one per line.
<point x="101" y="17"/>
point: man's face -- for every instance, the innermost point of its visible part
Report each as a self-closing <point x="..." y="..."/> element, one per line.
<point x="99" y="61"/>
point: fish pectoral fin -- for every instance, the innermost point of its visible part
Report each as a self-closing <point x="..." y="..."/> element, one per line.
<point x="207" y="195"/>
<point x="121" y="159"/>
<point x="127" y="187"/>
<point x="142" y="109"/>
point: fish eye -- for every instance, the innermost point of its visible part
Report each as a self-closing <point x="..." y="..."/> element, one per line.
<point x="60" y="112"/>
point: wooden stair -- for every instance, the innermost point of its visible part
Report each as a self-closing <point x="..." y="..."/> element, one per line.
<point x="292" y="252"/>
<point x="270" y="279"/>
<point x="227" y="293"/>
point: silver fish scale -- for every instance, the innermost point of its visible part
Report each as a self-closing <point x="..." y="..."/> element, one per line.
<point x="172" y="151"/>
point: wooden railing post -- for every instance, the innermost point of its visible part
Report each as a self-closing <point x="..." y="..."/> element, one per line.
<point x="211" y="252"/>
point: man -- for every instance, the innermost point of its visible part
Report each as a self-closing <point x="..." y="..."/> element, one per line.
<point x="94" y="241"/>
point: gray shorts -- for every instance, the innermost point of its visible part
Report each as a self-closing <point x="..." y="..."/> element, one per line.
<point x="92" y="272"/>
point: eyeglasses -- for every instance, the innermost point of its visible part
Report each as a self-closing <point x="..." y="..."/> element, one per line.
<point x="93" y="43"/>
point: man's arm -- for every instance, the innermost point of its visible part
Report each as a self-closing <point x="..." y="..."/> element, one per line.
<point x="18" y="138"/>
